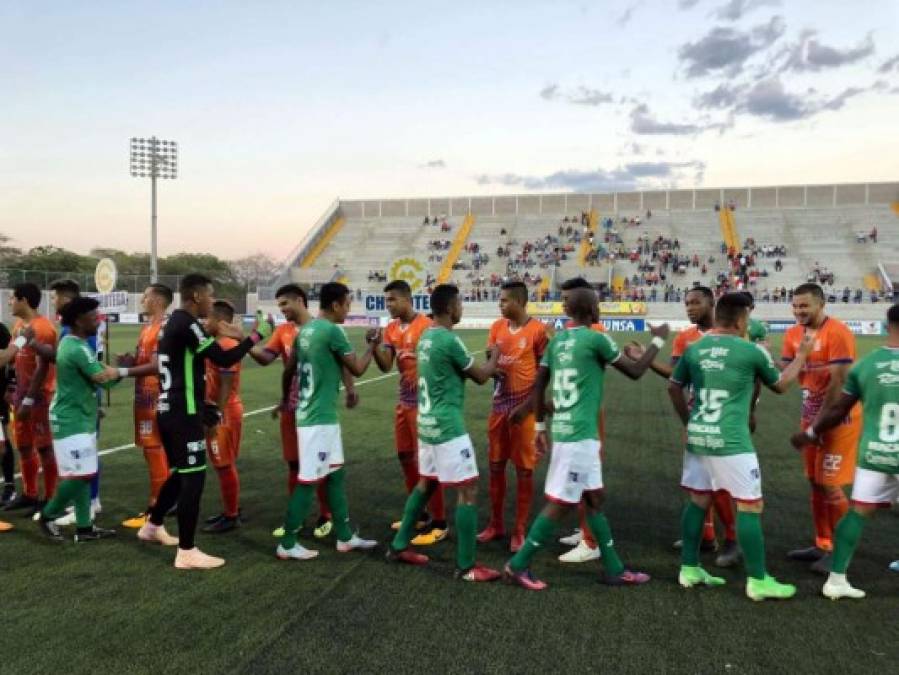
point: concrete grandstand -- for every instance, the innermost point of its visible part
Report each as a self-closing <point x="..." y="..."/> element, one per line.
<point x="645" y="245"/>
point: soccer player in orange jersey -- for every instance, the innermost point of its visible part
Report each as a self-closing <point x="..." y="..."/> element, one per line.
<point x="398" y="343"/>
<point x="700" y="306"/>
<point x="293" y="303"/>
<point x="142" y="366"/>
<point x="521" y="342"/>
<point x="830" y="460"/>
<point x="223" y="440"/>
<point x="35" y="384"/>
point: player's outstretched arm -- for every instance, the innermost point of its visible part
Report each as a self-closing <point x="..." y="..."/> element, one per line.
<point x="349" y="386"/>
<point x="262" y="356"/>
<point x="829" y="417"/>
<point x="635" y="369"/>
<point x="225" y="358"/>
<point x="382" y="354"/>
<point x="538" y="400"/>
<point x="357" y="365"/>
<point x="479" y="374"/>
<point x="793" y="368"/>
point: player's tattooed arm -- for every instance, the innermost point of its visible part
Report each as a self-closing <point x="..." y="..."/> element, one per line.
<point x="287" y="376"/>
<point x="830" y="416"/>
<point x="382" y="354"/>
<point x="480" y="374"/>
<point x="679" y="400"/>
<point x="226" y="379"/>
<point x="635" y="369"/>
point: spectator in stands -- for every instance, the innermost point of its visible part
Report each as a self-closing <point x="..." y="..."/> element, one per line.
<point x="427" y="221"/>
<point x="873" y="234"/>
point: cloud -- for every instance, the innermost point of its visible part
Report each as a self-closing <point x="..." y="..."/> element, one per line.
<point x="687" y="4"/>
<point x="737" y="9"/>
<point x="769" y="99"/>
<point x="889" y="64"/>
<point x="809" y="54"/>
<point x="643" y="123"/>
<point x="726" y="50"/>
<point x="626" y="177"/>
<point x="550" y="92"/>
<point x="578" y="96"/>
<point x="434" y="164"/>
<point x="628" y="13"/>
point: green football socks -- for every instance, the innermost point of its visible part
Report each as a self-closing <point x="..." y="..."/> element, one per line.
<point x="297" y="508"/>
<point x="752" y="543"/>
<point x="691" y="524"/>
<point x="599" y="526"/>
<point x="340" y="510"/>
<point x="71" y="490"/>
<point x="540" y="532"/>
<point x="846" y="536"/>
<point x="466" y="535"/>
<point x="414" y="504"/>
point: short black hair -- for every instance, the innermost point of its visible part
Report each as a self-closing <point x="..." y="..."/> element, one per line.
<point x="332" y="292"/>
<point x="28" y="291"/>
<point x="705" y="290"/>
<point x="575" y="282"/>
<point x="441" y="298"/>
<point x="729" y="308"/>
<point x="163" y="292"/>
<point x="193" y="282"/>
<point x="67" y="287"/>
<point x="750" y="298"/>
<point x="400" y="286"/>
<point x="582" y="304"/>
<point x="810" y="289"/>
<point x="73" y="311"/>
<point x="518" y="290"/>
<point x="293" y="290"/>
<point x="224" y="310"/>
<point x="893" y="315"/>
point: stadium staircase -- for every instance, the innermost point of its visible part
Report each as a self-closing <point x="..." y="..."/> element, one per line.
<point x="585" y="242"/>
<point x="310" y="258"/>
<point x="729" y="230"/>
<point x="446" y="270"/>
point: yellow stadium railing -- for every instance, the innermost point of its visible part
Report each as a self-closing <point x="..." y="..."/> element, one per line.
<point x="872" y="282"/>
<point x="729" y="229"/>
<point x="895" y="207"/>
<point x="446" y="270"/>
<point x="310" y="258"/>
<point x="585" y="242"/>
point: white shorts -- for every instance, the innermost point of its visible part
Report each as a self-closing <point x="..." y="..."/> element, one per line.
<point x="452" y="463"/>
<point x="321" y="451"/>
<point x="738" y="475"/>
<point x="76" y="455"/>
<point x="875" y="488"/>
<point x="574" y="468"/>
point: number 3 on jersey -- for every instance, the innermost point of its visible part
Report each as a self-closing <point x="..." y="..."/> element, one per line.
<point x="424" y="399"/>
<point x="307" y="382"/>
<point x="565" y="393"/>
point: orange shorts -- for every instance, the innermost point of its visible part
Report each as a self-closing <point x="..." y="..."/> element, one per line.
<point x="405" y="429"/>
<point x="290" y="446"/>
<point x="223" y="446"/>
<point x="35" y="431"/>
<point x="146" y="430"/>
<point x="832" y="461"/>
<point x="512" y="441"/>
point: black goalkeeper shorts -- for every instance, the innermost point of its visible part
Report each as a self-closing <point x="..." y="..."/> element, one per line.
<point x="184" y="440"/>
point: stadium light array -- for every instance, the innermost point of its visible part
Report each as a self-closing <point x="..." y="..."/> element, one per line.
<point x="154" y="158"/>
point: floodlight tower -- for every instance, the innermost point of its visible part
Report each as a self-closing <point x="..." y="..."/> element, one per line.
<point x="152" y="158"/>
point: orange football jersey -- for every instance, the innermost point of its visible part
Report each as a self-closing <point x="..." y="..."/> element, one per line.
<point x="520" y="350"/>
<point x="27" y="359"/>
<point x="403" y="340"/>
<point x="214" y="376"/>
<point x="146" y="388"/>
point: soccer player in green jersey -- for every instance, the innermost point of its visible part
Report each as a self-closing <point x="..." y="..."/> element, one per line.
<point x="756" y="331"/>
<point x="73" y="420"/>
<point x="446" y="455"/>
<point x="722" y="368"/>
<point x="575" y="363"/>
<point x="321" y="352"/>
<point x="875" y="382"/>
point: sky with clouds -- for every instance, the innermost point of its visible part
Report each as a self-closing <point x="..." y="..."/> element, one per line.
<point x="279" y="107"/>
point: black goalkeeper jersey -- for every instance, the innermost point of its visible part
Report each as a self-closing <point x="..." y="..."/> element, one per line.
<point x="184" y="347"/>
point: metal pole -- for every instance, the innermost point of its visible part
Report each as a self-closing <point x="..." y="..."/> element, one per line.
<point x="154" y="263"/>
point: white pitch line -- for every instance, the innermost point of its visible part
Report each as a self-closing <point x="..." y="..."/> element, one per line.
<point x="259" y="411"/>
